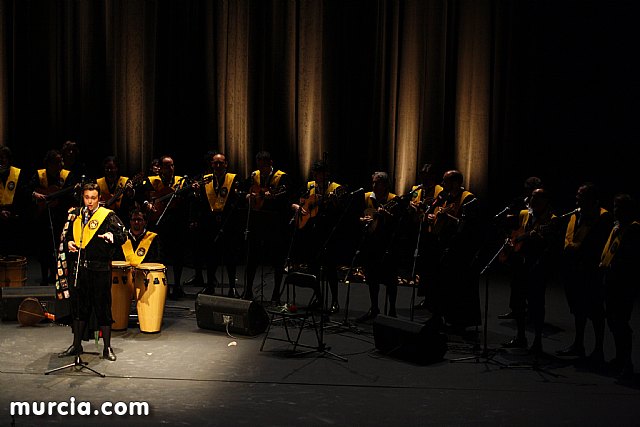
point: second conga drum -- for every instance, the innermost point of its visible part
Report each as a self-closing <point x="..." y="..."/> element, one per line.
<point x="151" y="294"/>
<point x="121" y="294"/>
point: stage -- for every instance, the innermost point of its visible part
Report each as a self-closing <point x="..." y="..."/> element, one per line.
<point x="192" y="376"/>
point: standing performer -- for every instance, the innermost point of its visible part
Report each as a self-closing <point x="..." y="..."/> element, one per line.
<point x="619" y="261"/>
<point x="12" y="203"/>
<point x="317" y="215"/>
<point x="379" y="261"/>
<point x="269" y="216"/>
<point x="530" y="258"/>
<point x="212" y="214"/>
<point x="424" y="194"/>
<point x="92" y="239"/>
<point x="586" y="234"/>
<point x="163" y="205"/>
<point x="116" y="191"/>
<point x="455" y="223"/>
<point x="51" y="206"/>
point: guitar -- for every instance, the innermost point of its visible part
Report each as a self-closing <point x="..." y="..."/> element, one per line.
<point x="312" y="204"/>
<point x="52" y="194"/>
<point x="120" y="190"/>
<point x="159" y="199"/>
<point x="258" y="195"/>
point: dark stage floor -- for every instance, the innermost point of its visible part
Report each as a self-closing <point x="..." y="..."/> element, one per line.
<point x="193" y="376"/>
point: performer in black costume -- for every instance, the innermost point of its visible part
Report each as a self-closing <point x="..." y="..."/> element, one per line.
<point x="96" y="232"/>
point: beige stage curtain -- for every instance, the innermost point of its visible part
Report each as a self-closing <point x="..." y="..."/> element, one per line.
<point x="131" y="49"/>
<point x="415" y="46"/>
<point x="5" y="51"/>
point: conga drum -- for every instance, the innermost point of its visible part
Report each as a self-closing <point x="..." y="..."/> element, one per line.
<point x="121" y="294"/>
<point x="151" y="293"/>
<point x="13" y="271"/>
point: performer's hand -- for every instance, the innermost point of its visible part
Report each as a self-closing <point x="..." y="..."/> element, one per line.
<point x="107" y="237"/>
<point x="4" y="214"/>
<point x="38" y="196"/>
<point x="72" y="246"/>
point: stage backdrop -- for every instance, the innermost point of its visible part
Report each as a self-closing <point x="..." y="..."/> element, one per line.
<point x="500" y="89"/>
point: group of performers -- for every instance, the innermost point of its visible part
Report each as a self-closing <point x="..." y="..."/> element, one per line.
<point x="268" y="219"/>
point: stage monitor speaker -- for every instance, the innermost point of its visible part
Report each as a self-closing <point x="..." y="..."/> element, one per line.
<point x="12" y="297"/>
<point x="241" y="316"/>
<point x="414" y="342"/>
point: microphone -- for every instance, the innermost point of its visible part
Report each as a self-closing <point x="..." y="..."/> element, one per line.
<point x="359" y="190"/>
<point x="575" y="211"/>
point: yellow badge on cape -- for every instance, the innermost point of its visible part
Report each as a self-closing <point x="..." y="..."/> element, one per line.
<point x="141" y="251"/>
<point x="93" y="224"/>
<point x="11" y="185"/>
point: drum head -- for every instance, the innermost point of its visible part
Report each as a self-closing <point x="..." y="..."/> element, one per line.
<point x="151" y="266"/>
<point x="120" y="264"/>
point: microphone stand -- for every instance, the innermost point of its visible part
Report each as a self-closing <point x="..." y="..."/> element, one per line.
<point x="78" y="362"/>
<point x="166" y="207"/>
<point x="247" y="285"/>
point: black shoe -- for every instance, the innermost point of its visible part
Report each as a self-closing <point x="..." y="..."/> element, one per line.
<point x="247" y="296"/>
<point x="233" y="293"/>
<point x="108" y="354"/>
<point x="369" y="315"/>
<point x="71" y="351"/>
<point x="509" y="315"/>
<point x="573" y="351"/>
<point x="422" y="305"/>
<point x="515" y="343"/>
<point x="335" y="307"/>
<point x="208" y="290"/>
<point x="194" y="281"/>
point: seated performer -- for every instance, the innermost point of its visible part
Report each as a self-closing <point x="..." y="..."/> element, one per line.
<point x="92" y="239"/>
<point x="317" y="214"/>
<point x="212" y="215"/>
<point x="141" y="245"/>
<point x="379" y="259"/>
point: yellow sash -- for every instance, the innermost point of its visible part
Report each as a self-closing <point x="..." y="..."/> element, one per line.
<point x="42" y="174"/>
<point x="158" y="185"/>
<point x="612" y="245"/>
<point x="218" y="200"/>
<point x="104" y="189"/>
<point x="137" y="257"/>
<point x="9" y="190"/>
<point x="275" y="179"/>
<point x="86" y="233"/>
<point x="311" y="186"/>
<point x="574" y="237"/>
<point x="369" y="201"/>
